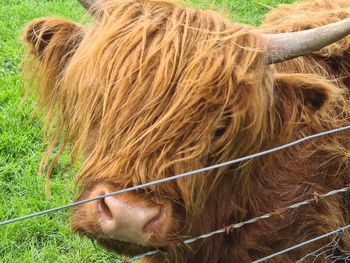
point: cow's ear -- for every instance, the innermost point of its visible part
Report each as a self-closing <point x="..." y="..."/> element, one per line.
<point x="308" y="92"/>
<point x="55" y="32"/>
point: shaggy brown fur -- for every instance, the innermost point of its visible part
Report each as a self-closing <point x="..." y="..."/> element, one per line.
<point x="153" y="89"/>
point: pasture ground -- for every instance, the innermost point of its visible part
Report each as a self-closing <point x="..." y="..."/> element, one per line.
<point x="48" y="238"/>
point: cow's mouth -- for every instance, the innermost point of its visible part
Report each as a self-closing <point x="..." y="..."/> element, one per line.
<point x="124" y="248"/>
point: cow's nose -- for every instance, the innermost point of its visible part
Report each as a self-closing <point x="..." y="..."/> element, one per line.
<point x="128" y="218"/>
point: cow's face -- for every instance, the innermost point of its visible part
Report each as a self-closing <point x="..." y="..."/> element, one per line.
<point x="161" y="103"/>
<point x="151" y="91"/>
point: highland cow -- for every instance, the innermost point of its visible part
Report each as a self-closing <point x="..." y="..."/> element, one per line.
<point x="152" y="89"/>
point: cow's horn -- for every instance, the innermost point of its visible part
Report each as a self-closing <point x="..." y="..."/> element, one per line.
<point x="87" y="4"/>
<point x="284" y="46"/>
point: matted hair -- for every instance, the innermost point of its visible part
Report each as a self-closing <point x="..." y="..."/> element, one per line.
<point x="152" y="89"/>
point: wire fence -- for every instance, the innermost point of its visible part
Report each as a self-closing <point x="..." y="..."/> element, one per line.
<point x="331" y="250"/>
<point x="229" y="228"/>
<point x="202" y="170"/>
<point x="328" y="251"/>
<point x="316" y="253"/>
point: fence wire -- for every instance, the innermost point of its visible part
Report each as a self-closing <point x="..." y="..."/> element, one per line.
<point x="176" y="177"/>
<point x="331" y="251"/>
<point x="334" y="232"/>
<point x="229" y="228"/>
<point x="202" y="170"/>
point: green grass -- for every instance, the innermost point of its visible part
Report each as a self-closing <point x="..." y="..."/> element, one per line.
<point x="48" y="238"/>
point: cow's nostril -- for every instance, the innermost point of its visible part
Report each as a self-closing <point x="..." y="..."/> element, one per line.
<point x="104" y="209"/>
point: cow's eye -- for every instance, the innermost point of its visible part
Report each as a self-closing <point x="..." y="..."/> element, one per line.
<point x="219" y="132"/>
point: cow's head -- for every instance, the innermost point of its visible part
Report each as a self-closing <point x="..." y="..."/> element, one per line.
<point x="151" y="90"/>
